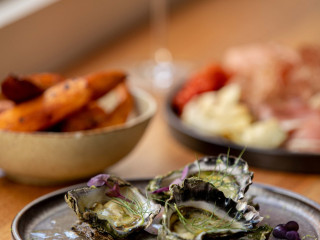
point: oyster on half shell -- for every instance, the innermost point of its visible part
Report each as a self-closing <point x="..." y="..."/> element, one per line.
<point x="199" y="210"/>
<point x="115" y="207"/>
<point x="229" y="174"/>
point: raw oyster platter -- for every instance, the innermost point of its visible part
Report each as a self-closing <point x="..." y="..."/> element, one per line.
<point x="211" y="198"/>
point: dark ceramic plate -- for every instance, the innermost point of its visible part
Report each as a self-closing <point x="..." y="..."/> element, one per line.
<point x="49" y="217"/>
<point x="275" y="159"/>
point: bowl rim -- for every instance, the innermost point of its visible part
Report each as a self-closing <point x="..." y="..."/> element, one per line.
<point x="138" y="94"/>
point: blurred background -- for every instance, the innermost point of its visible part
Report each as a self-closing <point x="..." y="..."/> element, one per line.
<point x="55" y="35"/>
<point x="78" y="37"/>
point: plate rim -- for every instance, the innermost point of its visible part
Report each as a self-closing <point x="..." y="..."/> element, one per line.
<point x="15" y="223"/>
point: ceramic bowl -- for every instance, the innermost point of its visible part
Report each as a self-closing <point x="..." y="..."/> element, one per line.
<point x="44" y="158"/>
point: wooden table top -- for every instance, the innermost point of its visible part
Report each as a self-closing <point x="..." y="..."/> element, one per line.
<point x="199" y="32"/>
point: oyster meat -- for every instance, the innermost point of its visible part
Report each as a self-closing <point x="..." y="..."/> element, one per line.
<point x="112" y="206"/>
<point x="87" y="232"/>
<point x="199" y="210"/>
<point x="229" y="174"/>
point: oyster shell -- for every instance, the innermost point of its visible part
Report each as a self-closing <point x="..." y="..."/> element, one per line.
<point x="116" y="208"/>
<point x="229" y="174"/>
<point x="84" y="230"/>
<point x="198" y="210"/>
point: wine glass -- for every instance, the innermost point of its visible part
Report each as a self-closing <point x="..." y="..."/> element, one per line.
<point x="160" y="72"/>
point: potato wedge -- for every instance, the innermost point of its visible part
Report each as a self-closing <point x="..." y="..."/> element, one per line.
<point x="44" y="80"/>
<point x="122" y="111"/>
<point x="5" y="105"/>
<point x="94" y="116"/>
<point x="59" y="101"/>
<point x="23" y="88"/>
<point x="87" y="118"/>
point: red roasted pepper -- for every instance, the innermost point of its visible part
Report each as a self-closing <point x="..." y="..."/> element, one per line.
<point x="211" y="78"/>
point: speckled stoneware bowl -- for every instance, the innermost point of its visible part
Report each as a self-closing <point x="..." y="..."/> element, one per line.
<point x="45" y="158"/>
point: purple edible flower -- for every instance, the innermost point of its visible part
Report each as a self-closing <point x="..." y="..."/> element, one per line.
<point x="160" y="190"/>
<point x="177" y="181"/>
<point x="183" y="176"/>
<point x="185" y="172"/>
<point x="115" y="192"/>
<point x="98" y="180"/>
<point x="112" y="191"/>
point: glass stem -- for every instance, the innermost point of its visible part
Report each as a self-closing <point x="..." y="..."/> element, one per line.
<point x="159" y="21"/>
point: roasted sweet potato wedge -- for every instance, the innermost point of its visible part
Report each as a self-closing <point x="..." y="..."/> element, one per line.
<point x="44" y="80"/>
<point x="122" y="111"/>
<point x="23" y="88"/>
<point x="5" y="105"/>
<point x="94" y="116"/>
<point x="87" y="118"/>
<point x="59" y="101"/>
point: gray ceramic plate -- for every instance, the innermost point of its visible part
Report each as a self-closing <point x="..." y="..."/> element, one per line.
<point x="275" y="159"/>
<point x="49" y="217"/>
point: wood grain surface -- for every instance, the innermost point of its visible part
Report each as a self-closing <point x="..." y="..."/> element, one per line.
<point x="199" y="32"/>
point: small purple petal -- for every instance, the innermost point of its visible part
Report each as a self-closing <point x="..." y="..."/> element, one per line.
<point x="160" y="190"/>
<point x="184" y="173"/>
<point x="98" y="180"/>
<point x="115" y="192"/>
<point x="177" y="181"/>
